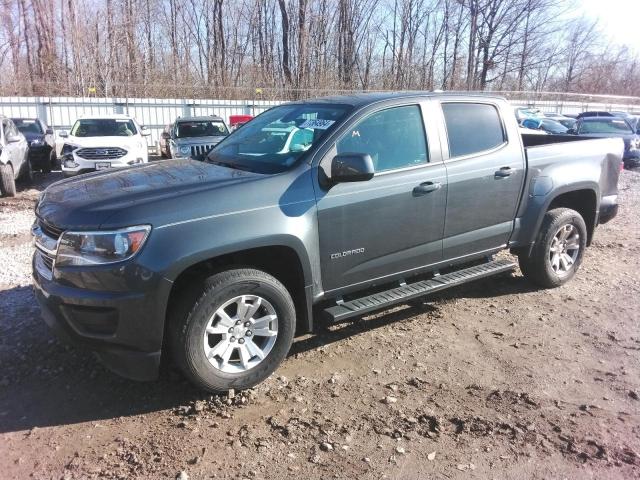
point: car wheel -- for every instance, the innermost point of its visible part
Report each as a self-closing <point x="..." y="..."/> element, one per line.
<point x="236" y="333"/>
<point x="7" y="181"/>
<point x="27" y="172"/>
<point x="557" y="254"/>
<point x="50" y="164"/>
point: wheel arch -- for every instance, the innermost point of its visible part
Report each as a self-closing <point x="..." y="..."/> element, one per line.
<point x="582" y="197"/>
<point x="280" y="259"/>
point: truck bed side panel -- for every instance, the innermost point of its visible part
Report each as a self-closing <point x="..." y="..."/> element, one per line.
<point x="562" y="167"/>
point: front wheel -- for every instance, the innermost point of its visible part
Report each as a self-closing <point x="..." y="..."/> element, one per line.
<point x="236" y="333"/>
<point x="7" y="181"/>
<point x="558" y="251"/>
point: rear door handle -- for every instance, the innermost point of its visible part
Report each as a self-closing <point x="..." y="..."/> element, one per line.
<point x="504" y="172"/>
<point x="426" y="187"/>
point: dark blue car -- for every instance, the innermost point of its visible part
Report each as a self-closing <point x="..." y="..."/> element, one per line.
<point x="42" y="152"/>
<point x="612" y="127"/>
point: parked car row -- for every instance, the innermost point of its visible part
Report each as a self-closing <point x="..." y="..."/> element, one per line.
<point x="609" y="124"/>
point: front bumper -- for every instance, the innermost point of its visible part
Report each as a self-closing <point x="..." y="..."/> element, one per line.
<point x="631" y="159"/>
<point x="82" y="165"/>
<point x="116" y="311"/>
<point x="608" y="208"/>
<point x="40" y="155"/>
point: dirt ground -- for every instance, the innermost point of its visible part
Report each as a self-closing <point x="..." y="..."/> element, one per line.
<point x="494" y="380"/>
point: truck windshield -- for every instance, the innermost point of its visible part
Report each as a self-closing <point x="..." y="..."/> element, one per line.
<point x="27" y="126"/>
<point x="104" y="127"/>
<point x="275" y="140"/>
<point x="200" y="128"/>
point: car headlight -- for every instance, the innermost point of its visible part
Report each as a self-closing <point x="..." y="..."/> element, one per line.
<point x="36" y="142"/>
<point x="68" y="148"/>
<point x="185" y="150"/>
<point x="99" y="248"/>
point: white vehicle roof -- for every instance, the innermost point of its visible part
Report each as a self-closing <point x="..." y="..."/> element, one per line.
<point x="107" y="116"/>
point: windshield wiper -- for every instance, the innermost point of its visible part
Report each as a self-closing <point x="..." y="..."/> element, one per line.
<point x="235" y="166"/>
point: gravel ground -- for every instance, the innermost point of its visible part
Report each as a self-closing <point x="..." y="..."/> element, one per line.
<point x="491" y="380"/>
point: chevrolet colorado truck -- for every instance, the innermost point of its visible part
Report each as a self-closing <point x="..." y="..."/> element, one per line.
<point x="381" y="199"/>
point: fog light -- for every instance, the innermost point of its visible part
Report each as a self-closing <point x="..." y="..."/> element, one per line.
<point x="135" y="162"/>
<point x="69" y="163"/>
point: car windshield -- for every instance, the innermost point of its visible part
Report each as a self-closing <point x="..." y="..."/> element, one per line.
<point x="201" y="128"/>
<point x="605" y="125"/>
<point x="104" y="127"/>
<point x="275" y="140"/>
<point x="553" y="126"/>
<point x="27" y="126"/>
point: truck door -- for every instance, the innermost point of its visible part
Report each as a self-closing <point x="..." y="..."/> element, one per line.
<point x="394" y="222"/>
<point x="485" y="171"/>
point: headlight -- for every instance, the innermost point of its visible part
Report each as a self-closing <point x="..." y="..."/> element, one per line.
<point x="185" y="150"/>
<point x="98" y="248"/>
<point x="36" y="141"/>
<point x="68" y="148"/>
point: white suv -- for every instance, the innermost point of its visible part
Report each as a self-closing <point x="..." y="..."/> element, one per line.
<point x="102" y="142"/>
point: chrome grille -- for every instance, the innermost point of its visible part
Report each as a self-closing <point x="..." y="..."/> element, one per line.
<point x="46" y="259"/>
<point x="200" y="151"/>
<point x="101" y="153"/>
<point x="50" y="230"/>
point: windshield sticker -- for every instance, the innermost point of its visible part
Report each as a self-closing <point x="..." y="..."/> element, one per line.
<point x="317" y="124"/>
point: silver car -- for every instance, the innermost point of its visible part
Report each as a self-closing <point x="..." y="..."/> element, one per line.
<point x="14" y="162"/>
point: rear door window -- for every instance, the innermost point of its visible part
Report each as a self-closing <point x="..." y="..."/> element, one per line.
<point x="394" y="137"/>
<point x="472" y="128"/>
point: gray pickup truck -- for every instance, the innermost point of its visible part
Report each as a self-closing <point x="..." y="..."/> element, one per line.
<point x="325" y="209"/>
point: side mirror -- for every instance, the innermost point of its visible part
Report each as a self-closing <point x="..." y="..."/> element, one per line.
<point x="352" y="167"/>
<point x="49" y="131"/>
<point x="63" y="134"/>
<point x="165" y="135"/>
<point x="13" y="138"/>
<point x="145" y="131"/>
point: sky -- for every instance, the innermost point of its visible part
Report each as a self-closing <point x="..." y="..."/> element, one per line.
<point x="620" y="19"/>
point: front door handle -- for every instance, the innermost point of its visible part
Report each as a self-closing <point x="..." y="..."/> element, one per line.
<point x="426" y="187"/>
<point x="504" y="172"/>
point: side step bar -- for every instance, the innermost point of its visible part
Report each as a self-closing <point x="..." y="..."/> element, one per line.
<point x="401" y="294"/>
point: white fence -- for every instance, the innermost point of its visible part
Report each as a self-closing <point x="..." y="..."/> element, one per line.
<point x="154" y="113"/>
<point x="60" y="112"/>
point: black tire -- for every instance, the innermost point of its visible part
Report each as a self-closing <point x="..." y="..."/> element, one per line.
<point x="26" y="175"/>
<point x="51" y="163"/>
<point x="537" y="267"/>
<point x="7" y="181"/>
<point x="190" y="318"/>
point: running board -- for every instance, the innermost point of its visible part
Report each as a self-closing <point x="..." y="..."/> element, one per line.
<point x="403" y="293"/>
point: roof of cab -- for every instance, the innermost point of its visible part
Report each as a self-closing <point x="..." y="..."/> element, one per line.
<point x="199" y="118"/>
<point x="107" y="116"/>
<point x="367" y="98"/>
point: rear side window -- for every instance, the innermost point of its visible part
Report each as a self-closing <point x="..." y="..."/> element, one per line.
<point x="394" y="138"/>
<point x="472" y="128"/>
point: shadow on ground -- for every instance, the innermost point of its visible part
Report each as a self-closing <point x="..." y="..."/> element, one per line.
<point x="46" y="383"/>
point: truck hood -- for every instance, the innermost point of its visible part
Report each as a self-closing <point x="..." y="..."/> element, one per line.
<point x="139" y="194"/>
<point x="129" y="143"/>
<point x="200" y="140"/>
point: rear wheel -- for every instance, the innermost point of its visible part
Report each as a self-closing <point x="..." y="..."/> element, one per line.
<point x="26" y="175"/>
<point x="7" y="181"/>
<point x="236" y="333"/>
<point x="51" y="163"/>
<point x="557" y="253"/>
